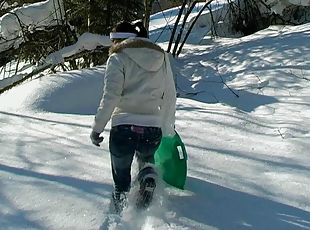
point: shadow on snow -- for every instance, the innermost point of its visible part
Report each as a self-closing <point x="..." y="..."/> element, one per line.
<point x="227" y="209"/>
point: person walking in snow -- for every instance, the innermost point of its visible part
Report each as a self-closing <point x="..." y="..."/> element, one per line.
<point x="139" y="96"/>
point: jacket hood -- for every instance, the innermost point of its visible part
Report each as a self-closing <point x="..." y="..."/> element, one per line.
<point x="146" y="54"/>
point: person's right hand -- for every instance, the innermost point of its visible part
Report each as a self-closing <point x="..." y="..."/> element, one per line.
<point x="95" y="138"/>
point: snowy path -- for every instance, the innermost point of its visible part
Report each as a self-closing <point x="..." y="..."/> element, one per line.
<point x="248" y="156"/>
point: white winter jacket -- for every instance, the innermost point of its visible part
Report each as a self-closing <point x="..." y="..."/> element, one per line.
<point x="138" y="87"/>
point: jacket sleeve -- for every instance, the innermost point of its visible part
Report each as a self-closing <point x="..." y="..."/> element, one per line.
<point x="112" y="91"/>
<point x="169" y="101"/>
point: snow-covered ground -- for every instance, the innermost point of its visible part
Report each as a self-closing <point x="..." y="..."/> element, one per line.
<point x="247" y="140"/>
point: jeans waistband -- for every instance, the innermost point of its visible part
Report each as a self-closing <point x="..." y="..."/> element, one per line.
<point x="134" y="128"/>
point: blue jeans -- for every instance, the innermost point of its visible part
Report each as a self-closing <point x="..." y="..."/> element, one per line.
<point x="126" y="141"/>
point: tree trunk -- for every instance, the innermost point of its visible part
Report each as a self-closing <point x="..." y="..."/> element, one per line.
<point x="177" y="41"/>
<point x="192" y="25"/>
<point x="147" y="13"/>
<point x="176" y="26"/>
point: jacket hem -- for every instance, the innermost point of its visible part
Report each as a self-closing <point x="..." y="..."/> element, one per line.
<point x="136" y="119"/>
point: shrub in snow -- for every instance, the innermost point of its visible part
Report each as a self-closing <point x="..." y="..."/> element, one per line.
<point x="37" y="15"/>
<point x="249" y="16"/>
<point x="290" y="11"/>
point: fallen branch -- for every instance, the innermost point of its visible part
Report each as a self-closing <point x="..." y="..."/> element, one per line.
<point x="217" y="69"/>
<point x="280" y="133"/>
<point x="34" y="72"/>
<point x="300" y="77"/>
<point x="51" y="65"/>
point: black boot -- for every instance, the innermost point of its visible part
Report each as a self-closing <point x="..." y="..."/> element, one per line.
<point x="147" y="182"/>
<point x="119" y="200"/>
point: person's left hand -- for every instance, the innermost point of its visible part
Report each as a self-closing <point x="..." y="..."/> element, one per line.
<point x="95" y="138"/>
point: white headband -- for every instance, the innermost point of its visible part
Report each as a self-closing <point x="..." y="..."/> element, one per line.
<point x="121" y="35"/>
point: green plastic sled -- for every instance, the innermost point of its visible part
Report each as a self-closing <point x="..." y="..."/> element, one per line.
<point x="171" y="160"/>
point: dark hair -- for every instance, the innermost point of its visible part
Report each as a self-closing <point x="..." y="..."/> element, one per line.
<point x="142" y="32"/>
<point x="136" y="28"/>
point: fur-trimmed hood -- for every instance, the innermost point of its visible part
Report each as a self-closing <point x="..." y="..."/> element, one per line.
<point x="145" y="53"/>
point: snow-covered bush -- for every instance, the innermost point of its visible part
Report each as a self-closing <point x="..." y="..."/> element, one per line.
<point x="29" y="18"/>
<point x="249" y="16"/>
<point x="289" y="11"/>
